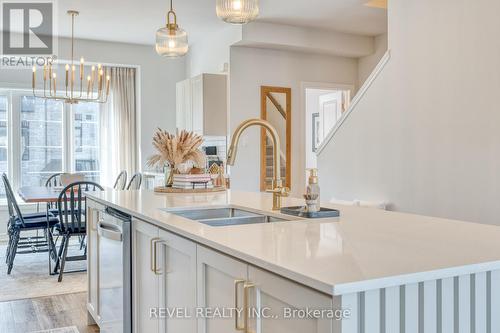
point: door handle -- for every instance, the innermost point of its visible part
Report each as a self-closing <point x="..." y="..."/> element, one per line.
<point x="155" y="267"/>
<point x="109" y="231"/>
<point x="246" y="309"/>
<point x="237" y="283"/>
<point x="152" y="254"/>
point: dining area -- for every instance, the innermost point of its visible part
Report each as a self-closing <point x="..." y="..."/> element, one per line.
<point x="50" y="219"/>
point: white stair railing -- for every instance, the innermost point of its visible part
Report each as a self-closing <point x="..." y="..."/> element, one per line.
<point x="362" y="91"/>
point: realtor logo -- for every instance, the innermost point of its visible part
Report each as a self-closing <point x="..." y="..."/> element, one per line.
<point x="27" y="28"/>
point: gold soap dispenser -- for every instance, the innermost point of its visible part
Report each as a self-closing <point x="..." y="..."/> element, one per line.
<point x="313" y="190"/>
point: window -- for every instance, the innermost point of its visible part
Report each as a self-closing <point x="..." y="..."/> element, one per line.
<point x="41" y="139"/>
<point x="86" y="140"/>
<point x="46" y="137"/>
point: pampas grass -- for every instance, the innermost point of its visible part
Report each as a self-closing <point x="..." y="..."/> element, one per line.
<point x="176" y="149"/>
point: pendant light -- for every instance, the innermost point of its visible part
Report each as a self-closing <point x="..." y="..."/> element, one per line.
<point x="171" y="41"/>
<point x="237" y="11"/>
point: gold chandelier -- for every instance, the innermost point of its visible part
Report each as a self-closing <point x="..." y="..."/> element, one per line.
<point x="73" y="92"/>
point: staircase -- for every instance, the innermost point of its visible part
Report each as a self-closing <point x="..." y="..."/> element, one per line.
<point x="269" y="165"/>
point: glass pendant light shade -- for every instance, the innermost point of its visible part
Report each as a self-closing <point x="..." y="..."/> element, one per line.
<point x="171" y="43"/>
<point x="237" y="11"/>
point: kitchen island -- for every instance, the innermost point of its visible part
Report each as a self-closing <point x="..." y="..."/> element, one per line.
<point x="377" y="271"/>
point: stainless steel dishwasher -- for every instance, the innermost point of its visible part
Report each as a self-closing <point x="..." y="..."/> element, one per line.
<point x="115" y="275"/>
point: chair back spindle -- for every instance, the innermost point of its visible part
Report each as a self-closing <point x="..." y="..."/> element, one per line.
<point x="72" y="205"/>
<point x="54" y="180"/>
<point x="13" y="207"/>
<point x="121" y="181"/>
<point x="135" y="182"/>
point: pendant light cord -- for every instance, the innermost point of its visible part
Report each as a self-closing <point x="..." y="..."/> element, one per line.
<point x="72" y="38"/>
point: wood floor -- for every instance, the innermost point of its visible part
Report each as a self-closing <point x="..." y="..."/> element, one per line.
<point x="28" y="315"/>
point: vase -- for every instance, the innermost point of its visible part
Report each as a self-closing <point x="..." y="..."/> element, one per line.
<point x="169" y="176"/>
<point x="184" y="168"/>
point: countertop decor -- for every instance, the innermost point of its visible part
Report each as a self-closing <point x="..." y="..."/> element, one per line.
<point x="174" y="150"/>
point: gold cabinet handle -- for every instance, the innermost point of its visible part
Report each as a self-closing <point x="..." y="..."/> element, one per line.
<point x="237" y="283"/>
<point x="246" y="309"/>
<point x="156" y="270"/>
<point x="152" y="254"/>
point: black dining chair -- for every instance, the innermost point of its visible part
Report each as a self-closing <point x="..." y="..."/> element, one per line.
<point x="135" y="182"/>
<point x="121" y="181"/>
<point x="19" y="222"/>
<point x="54" y="180"/>
<point x="71" y="204"/>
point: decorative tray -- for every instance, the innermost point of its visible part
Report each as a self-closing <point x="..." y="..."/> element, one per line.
<point x="163" y="189"/>
<point x="299" y="211"/>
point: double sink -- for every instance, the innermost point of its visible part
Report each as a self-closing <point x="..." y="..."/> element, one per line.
<point x="227" y="216"/>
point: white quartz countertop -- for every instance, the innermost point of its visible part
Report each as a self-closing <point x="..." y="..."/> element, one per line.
<point x="363" y="249"/>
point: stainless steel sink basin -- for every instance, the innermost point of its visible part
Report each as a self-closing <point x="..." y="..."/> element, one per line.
<point x="226" y="216"/>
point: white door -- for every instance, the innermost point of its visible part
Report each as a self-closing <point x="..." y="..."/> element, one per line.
<point x="145" y="283"/>
<point x="279" y="298"/>
<point x="220" y="285"/>
<point x="177" y="272"/>
<point x="330" y="106"/>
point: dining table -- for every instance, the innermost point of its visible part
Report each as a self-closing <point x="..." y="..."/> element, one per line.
<point x="39" y="194"/>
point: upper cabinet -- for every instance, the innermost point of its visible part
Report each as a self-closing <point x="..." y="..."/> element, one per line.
<point x="202" y="104"/>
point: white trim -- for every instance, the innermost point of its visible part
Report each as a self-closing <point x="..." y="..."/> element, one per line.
<point x="362" y="91"/>
<point x="325" y="85"/>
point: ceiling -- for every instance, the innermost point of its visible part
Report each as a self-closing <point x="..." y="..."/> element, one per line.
<point x="134" y="21"/>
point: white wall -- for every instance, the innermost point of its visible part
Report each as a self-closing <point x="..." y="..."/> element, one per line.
<point x="250" y="68"/>
<point x="426" y="136"/>
<point x="158" y="78"/>
<point x="367" y="64"/>
<point x="306" y="39"/>
<point x="208" y="54"/>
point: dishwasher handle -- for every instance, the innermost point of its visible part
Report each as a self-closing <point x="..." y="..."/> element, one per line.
<point x="118" y="214"/>
<point x="109" y="231"/>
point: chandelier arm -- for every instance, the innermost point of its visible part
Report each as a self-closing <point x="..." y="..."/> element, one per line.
<point x="50" y="79"/>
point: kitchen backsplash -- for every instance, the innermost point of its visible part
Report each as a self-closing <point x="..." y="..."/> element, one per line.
<point x="217" y="141"/>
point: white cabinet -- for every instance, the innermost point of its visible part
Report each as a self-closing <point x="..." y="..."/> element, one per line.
<point x="283" y="298"/>
<point x="202" y="104"/>
<point x="94" y="213"/>
<point x="220" y="284"/>
<point x="183" y="113"/>
<point x="177" y="275"/>
<point x="270" y="301"/>
<point x="173" y="277"/>
<point x="145" y="283"/>
<point x="164" y="275"/>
